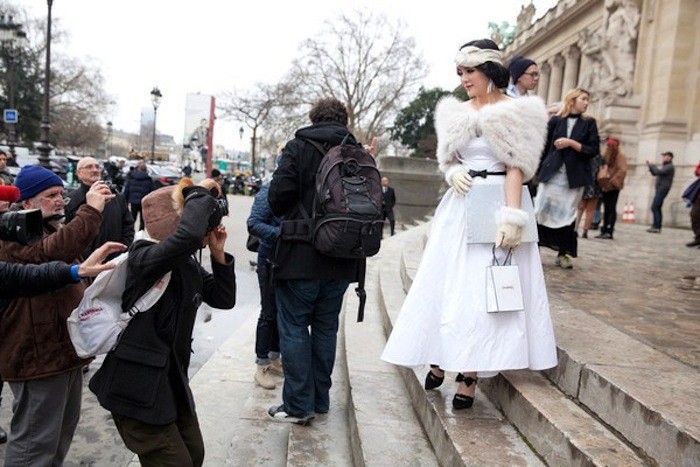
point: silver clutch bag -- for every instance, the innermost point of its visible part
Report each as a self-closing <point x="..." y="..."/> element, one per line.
<point x="483" y="200"/>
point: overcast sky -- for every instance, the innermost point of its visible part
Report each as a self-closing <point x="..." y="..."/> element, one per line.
<point x="209" y="46"/>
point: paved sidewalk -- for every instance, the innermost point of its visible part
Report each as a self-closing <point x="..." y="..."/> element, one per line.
<point x="640" y="274"/>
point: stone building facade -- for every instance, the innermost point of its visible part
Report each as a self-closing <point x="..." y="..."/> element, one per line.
<point x="640" y="59"/>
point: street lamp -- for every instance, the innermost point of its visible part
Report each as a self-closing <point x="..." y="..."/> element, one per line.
<point x="45" y="147"/>
<point x="155" y="99"/>
<point x="12" y="40"/>
<point x="109" y="138"/>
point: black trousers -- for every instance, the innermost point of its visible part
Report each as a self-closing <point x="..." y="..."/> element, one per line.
<point x="389" y="214"/>
<point x="609" y="211"/>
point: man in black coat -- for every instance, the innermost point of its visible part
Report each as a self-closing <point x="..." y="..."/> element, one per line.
<point x="388" y="202"/>
<point x="309" y="286"/>
<point x="117" y="223"/>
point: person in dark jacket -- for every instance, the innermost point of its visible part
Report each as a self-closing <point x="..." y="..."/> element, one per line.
<point x="266" y="227"/>
<point x="143" y="382"/>
<point x="664" y="180"/>
<point x="138" y="184"/>
<point x="117" y="222"/>
<point x="309" y="286"/>
<point x="388" y="203"/>
<point x="572" y="141"/>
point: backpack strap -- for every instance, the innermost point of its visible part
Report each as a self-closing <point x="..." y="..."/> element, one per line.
<point x="360" y="289"/>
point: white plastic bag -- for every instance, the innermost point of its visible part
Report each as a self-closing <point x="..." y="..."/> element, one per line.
<point x="95" y="325"/>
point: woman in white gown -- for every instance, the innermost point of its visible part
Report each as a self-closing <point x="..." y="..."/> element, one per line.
<point x="489" y="140"/>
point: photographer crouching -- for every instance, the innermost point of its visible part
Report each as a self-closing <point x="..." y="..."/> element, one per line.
<point x="143" y="382"/>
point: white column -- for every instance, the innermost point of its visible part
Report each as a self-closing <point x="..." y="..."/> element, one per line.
<point x="555" y="80"/>
<point x="572" y="55"/>
<point x="543" y="83"/>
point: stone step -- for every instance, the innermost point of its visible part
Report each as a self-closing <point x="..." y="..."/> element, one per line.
<point x="384" y="428"/>
<point x="244" y="435"/>
<point x="479" y="436"/>
<point x="646" y="397"/>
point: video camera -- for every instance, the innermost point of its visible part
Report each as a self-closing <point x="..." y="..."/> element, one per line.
<point x="24" y="226"/>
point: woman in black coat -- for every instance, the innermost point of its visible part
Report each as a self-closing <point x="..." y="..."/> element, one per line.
<point x="572" y="141"/>
<point x="143" y="382"/>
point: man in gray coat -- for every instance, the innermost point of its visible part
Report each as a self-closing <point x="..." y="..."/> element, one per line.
<point x="664" y="179"/>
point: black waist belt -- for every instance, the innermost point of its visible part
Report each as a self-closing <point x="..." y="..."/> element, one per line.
<point x="483" y="173"/>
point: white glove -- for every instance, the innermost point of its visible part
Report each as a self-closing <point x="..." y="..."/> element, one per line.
<point x="508" y="236"/>
<point x="510" y="227"/>
<point x="461" y="182"/>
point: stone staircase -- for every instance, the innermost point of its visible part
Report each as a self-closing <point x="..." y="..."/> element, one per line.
<point x="612" y="401"/>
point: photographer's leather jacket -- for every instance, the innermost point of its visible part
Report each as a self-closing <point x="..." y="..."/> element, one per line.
<point x="34" y="341"/>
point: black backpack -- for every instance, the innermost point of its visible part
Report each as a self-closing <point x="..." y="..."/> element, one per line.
<point x="347" y="218"/>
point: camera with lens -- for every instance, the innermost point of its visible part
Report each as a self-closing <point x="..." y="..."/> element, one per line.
<point x="220" y="210"/>
<point x="112" y="187"/>
<point x="22" y="227"/>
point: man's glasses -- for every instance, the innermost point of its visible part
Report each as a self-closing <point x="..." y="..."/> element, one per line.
<point x="534" y="74"/>
<point x="54" y="198"/>
<point x="89" y="167"/>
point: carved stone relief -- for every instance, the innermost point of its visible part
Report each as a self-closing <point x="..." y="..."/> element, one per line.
<point x="610" y="51"/>
<point x="525" y="16"/>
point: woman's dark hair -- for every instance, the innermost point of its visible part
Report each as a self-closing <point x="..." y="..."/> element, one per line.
<point x="328" y="110"/>
<point x="495" y="72"/>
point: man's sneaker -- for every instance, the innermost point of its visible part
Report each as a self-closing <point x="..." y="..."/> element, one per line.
<point x="278" y="414"/>
<point x="653" y="230"/>
<point x="263" y="377"/>
<point x="564" y="262"/>
<point x="276" y="367"/>
<point x="694" y="243"/>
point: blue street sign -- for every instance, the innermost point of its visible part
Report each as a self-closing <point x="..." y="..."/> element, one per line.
<point x="10" y="115"/>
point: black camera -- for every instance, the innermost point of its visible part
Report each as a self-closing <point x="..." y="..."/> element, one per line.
<point x="220" y="210"/>
<point x="112" y="187"/>
<point x="22" y="227"/>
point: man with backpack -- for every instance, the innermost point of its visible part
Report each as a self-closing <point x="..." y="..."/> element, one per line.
<point x="309" y="285"/>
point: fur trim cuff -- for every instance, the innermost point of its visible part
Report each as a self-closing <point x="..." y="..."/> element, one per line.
<point x="507" y="215"/>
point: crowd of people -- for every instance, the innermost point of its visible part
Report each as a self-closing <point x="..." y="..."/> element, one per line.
<point x="547" y="176"/>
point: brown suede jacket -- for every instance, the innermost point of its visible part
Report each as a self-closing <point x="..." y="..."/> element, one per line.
<point x="617" y="167"/>
<point x="34" y="340"/>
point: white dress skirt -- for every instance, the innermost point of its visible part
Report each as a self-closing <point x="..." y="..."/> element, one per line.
<point x="443" y="319"/>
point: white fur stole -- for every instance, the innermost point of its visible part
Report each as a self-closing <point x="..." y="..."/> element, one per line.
<point x="515" y="129"/>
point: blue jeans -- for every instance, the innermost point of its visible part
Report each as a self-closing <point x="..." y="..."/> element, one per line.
<point x="656" y="207"/>
<point x="308" y="358"/>
<point x="267" y="341"/>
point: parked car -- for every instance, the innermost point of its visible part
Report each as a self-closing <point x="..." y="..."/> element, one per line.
<point x="33" y="159"/>
<point x="163" y="175"/>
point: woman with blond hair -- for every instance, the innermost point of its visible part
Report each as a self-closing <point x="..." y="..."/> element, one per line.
<point x="616" y="161"/>
<point x="572" y="141"/>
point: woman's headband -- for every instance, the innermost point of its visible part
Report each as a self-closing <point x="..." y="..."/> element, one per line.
<point x="470" y="56"/>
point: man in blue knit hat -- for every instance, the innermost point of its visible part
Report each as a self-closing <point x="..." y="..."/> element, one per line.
<point x="38" y="360"/>
<point x="524" y="75"/>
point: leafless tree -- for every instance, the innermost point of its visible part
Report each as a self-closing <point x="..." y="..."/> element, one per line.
<point x="363" y="60"/>
<point x="255" y="108"/>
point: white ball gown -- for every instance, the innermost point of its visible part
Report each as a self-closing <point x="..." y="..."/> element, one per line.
<point x="444" y="320"/>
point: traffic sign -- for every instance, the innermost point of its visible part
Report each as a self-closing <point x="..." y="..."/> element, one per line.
<point x="10" y="115"/>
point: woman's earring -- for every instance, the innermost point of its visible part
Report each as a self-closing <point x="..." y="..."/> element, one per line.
<point x="489" y="89"/>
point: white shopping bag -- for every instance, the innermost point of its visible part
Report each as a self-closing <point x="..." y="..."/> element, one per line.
<point x="503" y="290"/>
<point x="95" y="325"/>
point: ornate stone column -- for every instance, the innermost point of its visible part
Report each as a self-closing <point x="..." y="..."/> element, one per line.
<point x="573" y="55"/>
<point x="555" y="80"/>
<point x="543" y="84"/>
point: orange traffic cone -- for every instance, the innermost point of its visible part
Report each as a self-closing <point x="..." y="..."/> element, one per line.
<point x="626" y="213"/>
<point x="630" y="217"/>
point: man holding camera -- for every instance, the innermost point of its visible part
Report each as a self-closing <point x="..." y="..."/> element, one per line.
<point x="117" y="223"/>
<point x="38" y="360"/>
